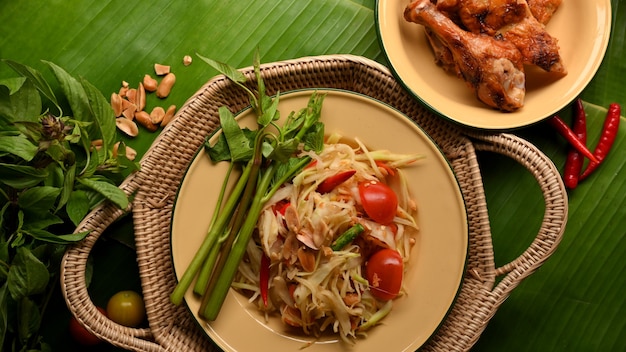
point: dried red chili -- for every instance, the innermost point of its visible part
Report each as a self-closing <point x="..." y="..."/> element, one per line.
<point x="609" y="132"/>
<point x="575" y="159"/>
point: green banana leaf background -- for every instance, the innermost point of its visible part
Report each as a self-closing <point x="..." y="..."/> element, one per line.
<point x="574" y="302"/>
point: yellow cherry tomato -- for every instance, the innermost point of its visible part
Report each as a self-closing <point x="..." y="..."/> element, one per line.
<point x="126" y="308"/>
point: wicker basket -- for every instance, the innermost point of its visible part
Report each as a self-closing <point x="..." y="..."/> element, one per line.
<point x="172" y="328"/>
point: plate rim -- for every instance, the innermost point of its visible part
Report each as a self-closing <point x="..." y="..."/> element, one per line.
<point x="496" y="126"/>
<point x="449" y="168"/>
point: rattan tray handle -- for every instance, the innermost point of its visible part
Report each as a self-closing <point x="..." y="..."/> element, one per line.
<point x="485" y="287"/>
<point x="74" y="285"/>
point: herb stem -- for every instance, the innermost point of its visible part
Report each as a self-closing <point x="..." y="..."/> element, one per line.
<point x="210" y="239"/>
<point x="227" y="274"/>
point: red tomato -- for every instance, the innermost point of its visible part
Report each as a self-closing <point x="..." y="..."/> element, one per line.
<point x="384" y="271"/>
<point x="379" y="201"/>
<point x="81" y="335"/>
<point x="126" y="308"/>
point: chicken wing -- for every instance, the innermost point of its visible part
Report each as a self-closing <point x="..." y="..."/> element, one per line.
<point x="492" y="68"/>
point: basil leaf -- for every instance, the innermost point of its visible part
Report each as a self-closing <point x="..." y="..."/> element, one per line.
<point x="4" y="312"/>
<point x="68" y="186"/>
<point x="240" y="147"/>
<point x="73" y="91"/>
<point x="13" y="84"/>
<point x="22" y="105"/>
<point x="19" y="146"/>
<point x="108" y="190"/>
<point x="21" y="176"/>
<point x="36" y="78"/>
<point x="103" y="115"/>
<point x="77" y="206"/>
<point x="40" y="220"/>
<point x="27" y="275"/>
<point x="46" y="236"/>
<point x="28" y="319"/>
<point x="232" y="73"/>
<point x="38" y="199"/>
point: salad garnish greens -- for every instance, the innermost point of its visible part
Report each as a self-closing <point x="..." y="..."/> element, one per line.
<point x="58" y="160"/>
<point x="266" y="158"/>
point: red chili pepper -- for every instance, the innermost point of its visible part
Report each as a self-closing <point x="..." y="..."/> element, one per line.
<point x="609" y="132"/>
<point x="567" y="132"/>
<point x="335" y="180"/>
<point x="574" y="162"/>
<point x="383" y="165"/>
<point x="264" y="277"/>
<point x="281" y="207"/>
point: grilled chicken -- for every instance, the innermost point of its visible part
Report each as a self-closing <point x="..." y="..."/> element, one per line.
<point x="543" y="9"/>
<point x="492" y="68"/>
<point x="514" y="21"/>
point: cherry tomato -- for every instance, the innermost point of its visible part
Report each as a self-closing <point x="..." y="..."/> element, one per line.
<point x="126" y="308"/>
<point x="379" y="201"/>
<point x="81" y="335"/>
<point x="384" y="271"/>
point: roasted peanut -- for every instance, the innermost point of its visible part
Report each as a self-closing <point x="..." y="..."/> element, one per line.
<point x="164" y="88"/>
<point x="140" y="99"/>
<point x="150" y="84"/>
<point x="116" y="104"/>
<point x="123" y="91"/>
<point x="157" y="114"/>
<point x="169" y="115"/>
<point x="307" y="259"/>
<point x="187" y="60"/>
<point x="128" y="109"/>
<point x="143" y="118"/>
<point x="131" y="153"/>
<point x="127" y="126"/>
<point x="161" y="70"/>
<point x="131" y="95"/>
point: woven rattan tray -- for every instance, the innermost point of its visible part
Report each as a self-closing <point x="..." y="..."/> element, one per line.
<point x="173" y="328"/>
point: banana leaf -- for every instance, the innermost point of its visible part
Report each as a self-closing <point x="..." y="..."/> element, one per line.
<point x="574" y="302"/>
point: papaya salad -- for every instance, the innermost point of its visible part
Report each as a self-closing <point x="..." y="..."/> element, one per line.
<point x="330" y="247"/>
<point x="314" y="227"/>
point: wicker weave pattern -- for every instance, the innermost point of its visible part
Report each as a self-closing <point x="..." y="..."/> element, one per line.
<point x="173" y="328"/>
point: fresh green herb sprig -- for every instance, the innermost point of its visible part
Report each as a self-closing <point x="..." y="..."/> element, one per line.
<point x="50" y="178"/>
<point x="267" y="158"/>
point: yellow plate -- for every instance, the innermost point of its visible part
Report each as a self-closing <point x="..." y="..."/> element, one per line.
<point x="438" y="261"/>
<point x="582" y="28"/>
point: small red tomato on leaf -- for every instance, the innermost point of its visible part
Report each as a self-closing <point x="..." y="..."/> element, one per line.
<point x="81" y="335"/>
<point x="384" y="270"/>
<point x="379" y="201"/>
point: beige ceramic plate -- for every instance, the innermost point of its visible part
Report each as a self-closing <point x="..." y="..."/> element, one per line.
<point x="581" y="26"/>
<point x="436" y="270"/>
